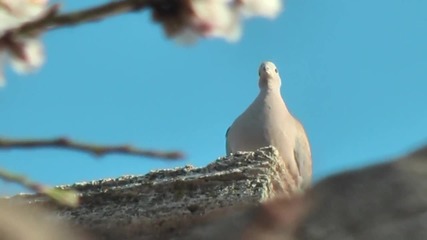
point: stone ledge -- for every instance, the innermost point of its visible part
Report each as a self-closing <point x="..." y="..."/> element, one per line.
<point x="163" y="201"/>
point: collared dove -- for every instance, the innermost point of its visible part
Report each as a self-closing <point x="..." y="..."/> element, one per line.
<point x="267" y="121"/>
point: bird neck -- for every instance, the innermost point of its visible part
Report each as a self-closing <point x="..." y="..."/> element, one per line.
<point x="268" y="82"/>
<point x="271" y="95"/>
<point x="270" y="90"/>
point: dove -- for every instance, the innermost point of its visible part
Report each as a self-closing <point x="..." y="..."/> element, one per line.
<point x="267" y="121"/>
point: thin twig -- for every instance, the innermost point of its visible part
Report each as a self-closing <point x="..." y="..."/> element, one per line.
<point x="53" y="21"/>
<point x="98" y="150"/>
<point x="66" y="197"/>
<point x="11" y="177"/>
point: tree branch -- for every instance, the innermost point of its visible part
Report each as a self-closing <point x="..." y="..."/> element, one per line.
<point x="65" y="197"/>
<point x="98" y="150"/>
<point x="52" y="20"/>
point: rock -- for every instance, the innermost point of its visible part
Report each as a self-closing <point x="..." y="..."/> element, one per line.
<point x="244" y="196"/>
<point x="163" y="202"/>
<point x="383" y="202"/>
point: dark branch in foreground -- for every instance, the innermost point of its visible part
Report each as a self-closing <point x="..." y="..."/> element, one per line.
<point x="52" y="20"/>
<point x="98" y="150"/>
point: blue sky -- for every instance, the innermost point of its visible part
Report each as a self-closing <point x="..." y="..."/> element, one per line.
<point x="354" y="73"/>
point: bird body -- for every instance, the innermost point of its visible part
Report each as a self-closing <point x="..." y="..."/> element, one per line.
<point x="267" y="121"/>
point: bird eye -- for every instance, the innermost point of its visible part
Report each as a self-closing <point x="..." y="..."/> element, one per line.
<point x="276" y="70"/>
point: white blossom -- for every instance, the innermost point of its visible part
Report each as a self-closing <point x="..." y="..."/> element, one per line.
<point x="32" y="56"/>
<point x="214" y="18"/>
<point x="15" y="12"/>
<point x="24" y="53"/>
<point x="263" y="8"/>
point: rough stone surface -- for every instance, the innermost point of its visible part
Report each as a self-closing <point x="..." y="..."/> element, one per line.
<point x="243" y="197"/>
<point x="163" y="201"/>
<point x="383" y="202"/>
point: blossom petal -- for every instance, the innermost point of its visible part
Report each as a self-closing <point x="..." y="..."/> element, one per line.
<point x="14" y="13"/>
<point x="33" y="56"/>
<point x="215" y="18"/>
<point x="263" y="8"/>
<point x="24" y="9"/>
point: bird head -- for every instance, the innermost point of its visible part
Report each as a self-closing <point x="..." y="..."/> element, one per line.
<point x="269" y="77"/>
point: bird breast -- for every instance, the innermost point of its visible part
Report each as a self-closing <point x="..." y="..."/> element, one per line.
<point x="262" y="124"/>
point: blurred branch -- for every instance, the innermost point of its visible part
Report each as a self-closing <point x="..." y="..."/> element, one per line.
<point x="65" y="197"/>
<point x="98" y="150"/>
<point x="54" y="20"/>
